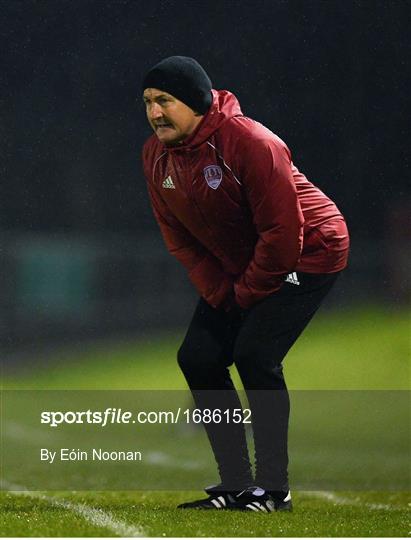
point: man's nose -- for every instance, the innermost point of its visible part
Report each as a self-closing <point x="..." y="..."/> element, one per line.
<point x="155" y="111"/>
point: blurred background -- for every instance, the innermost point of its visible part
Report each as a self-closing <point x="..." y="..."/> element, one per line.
<point x="81" y="256"/>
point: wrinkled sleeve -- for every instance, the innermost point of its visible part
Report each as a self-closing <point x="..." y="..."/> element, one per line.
<point x="264" y="167"/>
<point x="204" y="270"/>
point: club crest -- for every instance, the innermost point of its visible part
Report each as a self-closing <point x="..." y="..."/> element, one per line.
<point x="213" y="175"/>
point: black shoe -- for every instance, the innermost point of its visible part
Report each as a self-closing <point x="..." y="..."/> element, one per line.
<point x="218" y="499"/>
<point x="282" y="501"/>
<point x="256" y="499"/>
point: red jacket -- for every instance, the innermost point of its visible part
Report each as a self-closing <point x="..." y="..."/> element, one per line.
<point x="236" y="212"/>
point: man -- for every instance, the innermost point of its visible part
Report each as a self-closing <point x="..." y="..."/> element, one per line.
<point x="261" y="244"/>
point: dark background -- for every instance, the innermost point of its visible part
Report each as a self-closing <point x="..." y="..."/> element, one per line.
<point x="327" y="77"/>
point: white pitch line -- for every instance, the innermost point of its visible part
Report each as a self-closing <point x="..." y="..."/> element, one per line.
<point x="162" y="459"/>
<point x="337" y="499"/>
<point x="21" y="432"/>
<point x="95" y="516"/>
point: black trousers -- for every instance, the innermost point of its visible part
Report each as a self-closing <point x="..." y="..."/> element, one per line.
<point x="256" y="340"/>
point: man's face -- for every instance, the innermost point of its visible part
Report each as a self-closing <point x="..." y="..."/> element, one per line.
<point x="171" y="119"/>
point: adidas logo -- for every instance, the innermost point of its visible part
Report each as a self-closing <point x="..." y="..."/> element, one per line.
<point x="168" y="183"/>
<point x="292" y="278"/>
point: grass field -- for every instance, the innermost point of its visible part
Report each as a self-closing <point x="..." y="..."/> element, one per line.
<point x="365" y="349"/>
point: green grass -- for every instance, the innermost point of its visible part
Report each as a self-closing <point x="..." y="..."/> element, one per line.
<point x="367" y="348"/>
<point x="155" y="515"/>
<point x="363" y="349"/>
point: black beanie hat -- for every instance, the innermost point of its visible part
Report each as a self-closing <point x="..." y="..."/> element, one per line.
<point x="183" y="78"/>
